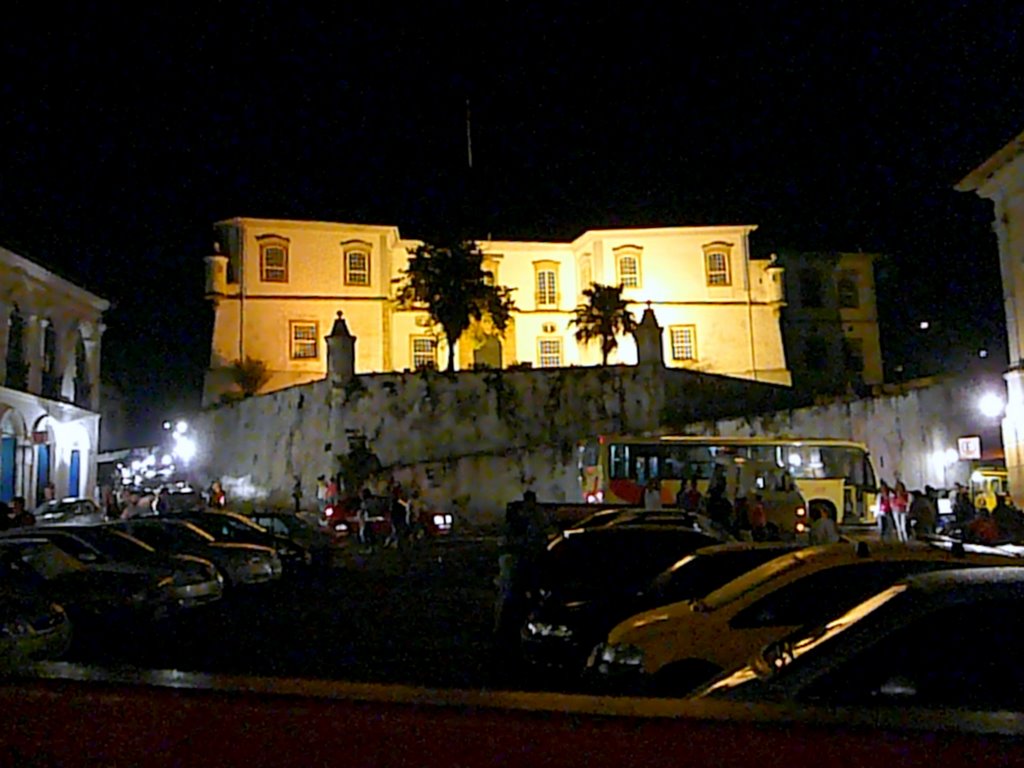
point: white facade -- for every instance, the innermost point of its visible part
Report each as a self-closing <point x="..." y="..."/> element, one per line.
<point x="49" y="382"/>
<point x="1001" y="180"/>
<point x="276" y="287"/>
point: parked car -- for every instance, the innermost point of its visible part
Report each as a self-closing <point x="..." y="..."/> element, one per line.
<point x="189" y="581"/>
<point x="672" y="649"/>
<point x="70" y="510"/>
<point x="562" y="629"/>
<point x="237" y="563"/>
<point x="937" y="641"/>
<point x="88" y="594"/>
<point x="32" y="626"/>
<point x="228" y="526"/>
<point x="318" y="541"/>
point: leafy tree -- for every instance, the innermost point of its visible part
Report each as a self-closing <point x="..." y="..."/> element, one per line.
<point x="450" y="283"/>
<point x="249" y="375"/>
<point x="604" y="316"/>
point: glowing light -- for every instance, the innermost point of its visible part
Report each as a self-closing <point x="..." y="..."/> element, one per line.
<point x="976" y="476"/>
<point x="181" y="427"/>
<point x="991" y="405"/>
<point x="951" y="456"/>
<point x="795" y="459"/>
<point x="184" y="448"/>
<point x="800" y="511"/>
<point x="167" y="425"/>
<point x="924" y="325"/>
<point x="166" y="459"/>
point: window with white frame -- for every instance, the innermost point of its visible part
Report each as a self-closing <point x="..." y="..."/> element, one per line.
<point x="549" y="353"/>
<point x="684" y="342"/>
<point x="546" y="283"/>
<point x="627" y="264"/>
<point x="304" y="340"/>
<point x="718" y="268"/>
<point x="274" y="260"/>
<point x="424" y="352"/>
<point x="357" y="266"/>
<point x="547" y="290"/>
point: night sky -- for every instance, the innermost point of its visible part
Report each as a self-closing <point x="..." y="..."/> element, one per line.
<point x="125" y="132"/>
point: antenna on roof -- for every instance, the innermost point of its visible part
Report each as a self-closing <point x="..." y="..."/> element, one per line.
<point x="469" y="138"/>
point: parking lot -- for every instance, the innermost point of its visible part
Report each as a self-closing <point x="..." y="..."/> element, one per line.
<point x="369" y="618"/>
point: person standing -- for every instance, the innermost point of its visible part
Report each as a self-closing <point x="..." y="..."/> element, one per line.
<point x="652" y="495"/>
<point x="900" y="510"/>
<point x="923" y="512"/>
<point x="321" y="494"/>
<point x="688" y="498"/>
<point x="824" y="530"/>
<point x="963" y="509"/>
<point x="758" y="518"/>
<point x="399" y="518"/>
<point x="886" y="526"/>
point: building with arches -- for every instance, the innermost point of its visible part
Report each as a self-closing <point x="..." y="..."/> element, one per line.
<point x="49" y="382"/>
<point x="276" y="286"/>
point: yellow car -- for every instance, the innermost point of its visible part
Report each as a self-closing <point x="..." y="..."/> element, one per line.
<point x="672" y="649"/>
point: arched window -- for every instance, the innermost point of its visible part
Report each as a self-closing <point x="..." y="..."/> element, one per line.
<point x="627" y="265"/>
<point x="356" y="254"/>
<point x="717" y="266"/>
<point x="273" y="258"/>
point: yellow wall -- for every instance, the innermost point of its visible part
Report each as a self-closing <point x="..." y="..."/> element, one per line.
<point x="672" y="277"/>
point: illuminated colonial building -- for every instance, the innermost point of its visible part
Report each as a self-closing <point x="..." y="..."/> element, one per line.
<point x="277" y="285"/>
<point x="49" y="382"/>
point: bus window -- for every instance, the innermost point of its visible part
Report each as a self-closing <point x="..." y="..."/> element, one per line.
<point x="619" y="454"/>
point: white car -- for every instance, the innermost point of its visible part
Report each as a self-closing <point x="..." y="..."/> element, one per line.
<point x="671" y="650"/>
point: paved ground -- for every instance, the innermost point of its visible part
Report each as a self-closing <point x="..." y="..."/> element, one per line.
<point x="368" y="619"/>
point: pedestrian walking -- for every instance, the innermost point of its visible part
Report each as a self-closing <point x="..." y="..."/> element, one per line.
<point x="399" y="513"/>
<point x="900" y="510"/>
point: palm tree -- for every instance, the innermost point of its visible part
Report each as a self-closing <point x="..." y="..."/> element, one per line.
<point x="604" y="316"/>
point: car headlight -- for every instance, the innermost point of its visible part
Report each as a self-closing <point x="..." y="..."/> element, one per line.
<point x="544" y="629"/>
<point x="438" y="519"/>
<point x="608" y="658"/>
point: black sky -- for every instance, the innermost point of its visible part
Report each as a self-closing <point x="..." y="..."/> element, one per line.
<point x="126" y="131"/>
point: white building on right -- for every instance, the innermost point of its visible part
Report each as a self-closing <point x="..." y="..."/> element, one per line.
<point x="1001" y="180"/>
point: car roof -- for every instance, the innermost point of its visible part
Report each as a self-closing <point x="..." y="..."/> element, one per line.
<point x="730" y="547"/>
<point x="994" y="580"/>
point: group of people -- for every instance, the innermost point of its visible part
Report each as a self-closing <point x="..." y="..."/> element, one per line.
<point x="15" y="514"/>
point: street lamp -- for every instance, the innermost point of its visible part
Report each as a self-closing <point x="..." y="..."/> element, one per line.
<point x="991" y="405"/>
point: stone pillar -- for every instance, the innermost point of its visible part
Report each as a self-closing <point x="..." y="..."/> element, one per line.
<point x="1001" y="180"/>
<point x="649" y="349"/>
<point x="34" y="352"/>
<point x="92" y="364"/>
<point x="341" y="353"/>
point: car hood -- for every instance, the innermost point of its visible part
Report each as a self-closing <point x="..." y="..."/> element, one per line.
<point x="657" y="621"/>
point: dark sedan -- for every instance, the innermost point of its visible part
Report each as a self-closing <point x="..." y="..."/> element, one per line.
<point x="563" y="628"/>
<point x="237" y="563"/>
<point x="228" y="526"/>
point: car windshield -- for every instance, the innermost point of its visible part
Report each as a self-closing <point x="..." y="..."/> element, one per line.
<point x="47" y="560"/>
<point x="118" y="545"/>
<point x="752" y="580"/>
<point x="698" y="574"/>
<point x="592" y="564"/>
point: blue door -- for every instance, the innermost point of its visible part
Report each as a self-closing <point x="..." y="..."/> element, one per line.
<point x="42" y="471"/>
<point x="8" y="448"/>
<point x="73" y="478"/>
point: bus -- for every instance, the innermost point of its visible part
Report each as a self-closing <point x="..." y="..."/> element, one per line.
<point x="986" y="483"/>
<point x="796" y="477"/>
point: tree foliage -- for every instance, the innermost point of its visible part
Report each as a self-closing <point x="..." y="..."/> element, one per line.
<point x="603" y="317"/>
<point x="449" y="282"/>
<point x="249" y="375"/>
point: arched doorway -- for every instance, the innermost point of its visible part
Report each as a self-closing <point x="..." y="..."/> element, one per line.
<point x="42" y="438"/>
<point x="12" y="432"/>
<point x="488" y="354"/>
